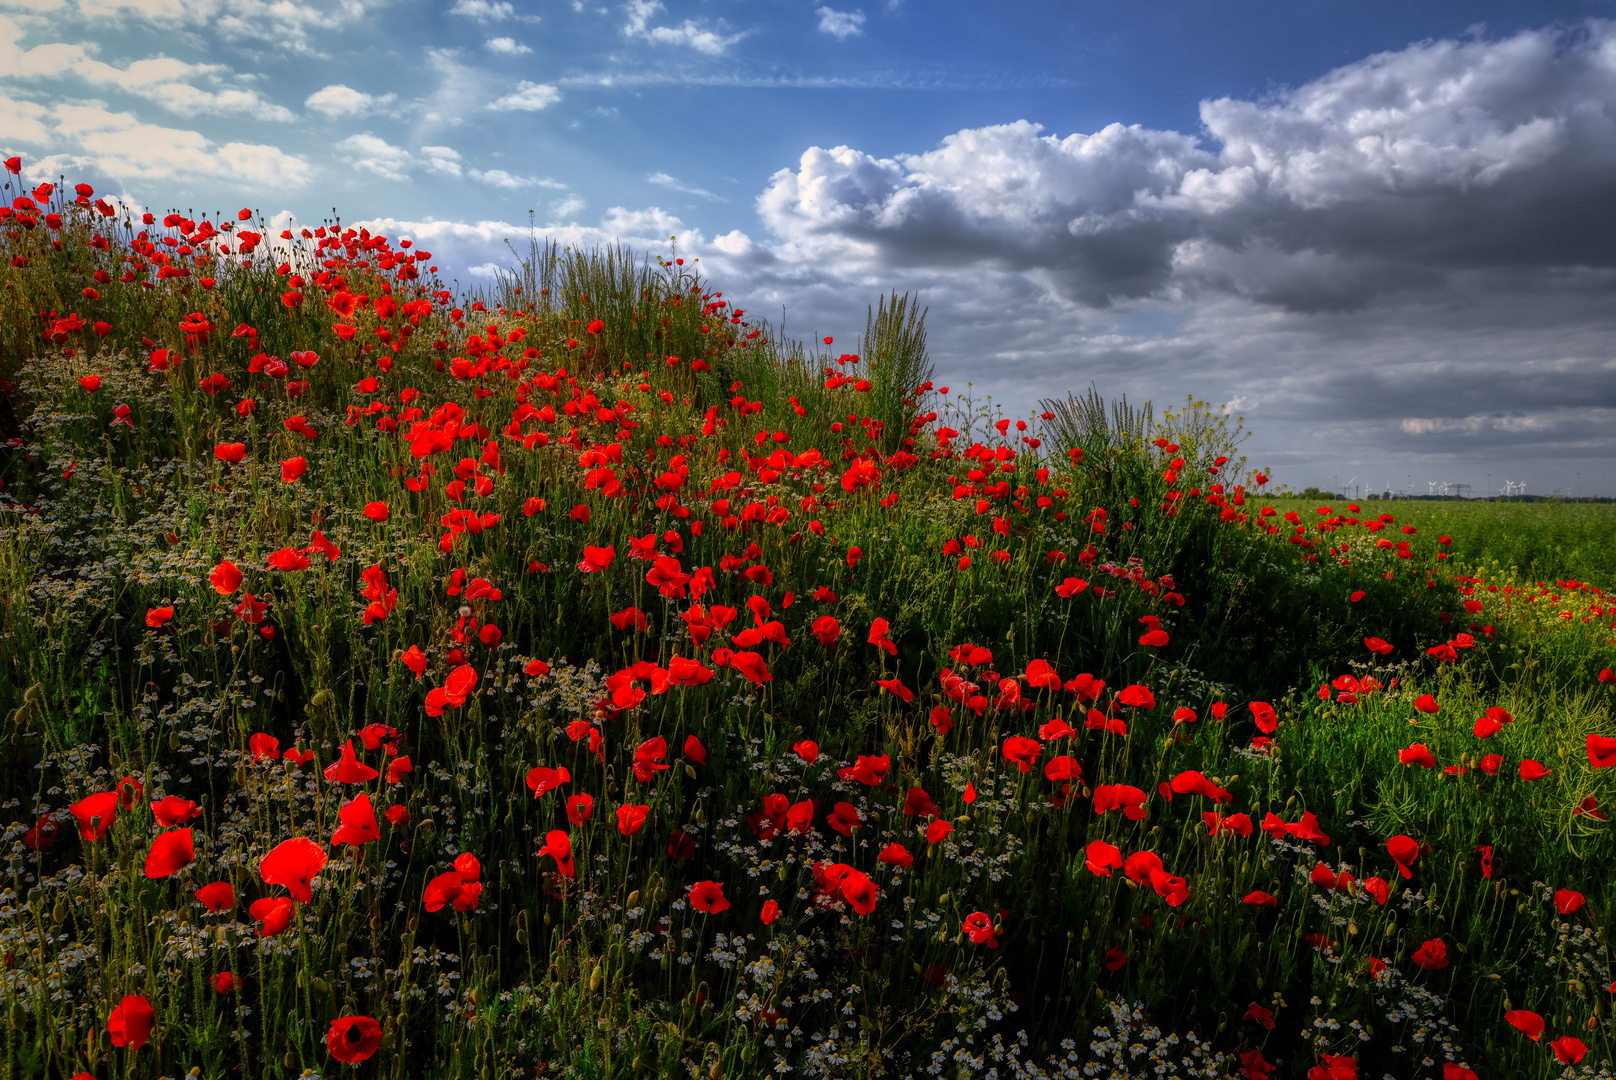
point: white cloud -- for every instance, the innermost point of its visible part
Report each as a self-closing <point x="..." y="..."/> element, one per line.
<point x="484" y="10"/>
<point x="689" y="33"/>
<point x="528" y="97"/>
<point x="507" y="46"/>
<point x="841" y="24"/>
<point x="127" y="149"/>
<point x="339" y="100"/>
<point x="377" y="155"/>
<point x="662" y="179"/>
<point x="443" y="160"/>
<point x="289" y="24"/>
<point x="565" y="208"/>
<point x="24" y="120"/>
<point x="501" y="179"/>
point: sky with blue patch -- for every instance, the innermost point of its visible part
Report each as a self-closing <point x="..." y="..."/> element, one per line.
<point x="1380" y="232"/>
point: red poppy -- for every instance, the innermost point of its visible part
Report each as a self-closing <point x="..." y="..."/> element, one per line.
<point x="558" y="845"/>
<point x="264" y="747"/>
<point x="1129" y="799"/>
<point x="358" y="824"/>
<point x="1427" y="704"/>
<point x="895" y="854"/>
<point x="174" y="810"/>
<point x="1568" y="1049"/>
<point x="1022" y="751"/>
<point x="771" y="911"/>
<point x="1101" y="858"/>
<point x="542" y="779"/>
<point x="937" y="831"/>
<point x="596" y="559"/>
<point x="230" y="452"/>
<point x="844" y="818"/>
<point x="1432" y="956"/>
<point x="827" y="630"/>
<point x="806" y="749"/>
<point x="158" y="616"/>
<point x="1137" y="697"/>
<point x="376" y="511"/>
<point x="694" y="750"/>
<point x="978" y="926"/>
<point x="225" y="578"/>
<point x="294" y="864"/>
<point x="170" y="853"/>
<point x="1260" y="899"/>
<point x="1417" y="754"/>
<point x="225" y="982"/>
<point x="580" y="807"/>
<point x="130" y="1024"/>
<point x="353" y="1038"/>
<point x="1114" y="959"/>
<point x="348" y="769"/>
<point x="1377" y="645"/>
<point x="1567" y="901"/>
<point x="681" y="845"/>
<point x="275" y="912"/>
<point x="1601" y="751"/>
<point x="708" y="897"/>
<point x="217" y="896"/>
<point x="1403" y="850"/>
<point x="1070" y="588"/>
<point x="398" y="768"/>
<point x="1063" y="768"/>
<point x="1525" y="1021"/>
<point x="1490" y="764"/>
<point x="1533" y="770"/>
<point x="631" y="818"/>
<point x="1452" y="1070"/>
<point x="94" y="814"/>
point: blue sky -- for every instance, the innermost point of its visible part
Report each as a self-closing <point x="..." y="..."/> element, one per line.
<point x="1377" y="230"/>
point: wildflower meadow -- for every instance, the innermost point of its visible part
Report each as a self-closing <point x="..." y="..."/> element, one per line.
<point x="571" y="678"/>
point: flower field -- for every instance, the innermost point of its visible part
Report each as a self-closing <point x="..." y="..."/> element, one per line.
<point x="572" y="679"/>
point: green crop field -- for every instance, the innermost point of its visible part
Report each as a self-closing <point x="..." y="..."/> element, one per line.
<point x="572" y="679"/>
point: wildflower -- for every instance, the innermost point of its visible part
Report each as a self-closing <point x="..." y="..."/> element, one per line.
<point x="294" y="864"/>
<point x="978" y="926"/>
<point x="130" y="1024"/>
<point x="170" y="853"/>
<point x="353" y="1038"/>
<point x="708" y="897"/>
<point x="217" y="896"/>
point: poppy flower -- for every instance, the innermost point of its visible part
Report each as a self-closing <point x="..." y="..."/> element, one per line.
<point x="771" y="912"/>
<point x="275" y="912"/>
<point x="937" y="831"/>
<point x="596" y="559"/>
<point x="859" y="892"/>
<point x="1601" y="751"/>
<point x="43" y="833"/>
<point x="225" y="578"/>
<point x="1403" y="850"/>
<point x="1432" y="956"/>
<point x="1022" y="751"/>
<point x="708" y="897"/>
<point x="158" y="616"/>
<point x="558" y="845"/>
<point x="353" y="1038"/>
<point x="1417" y="754"/>
<point x="217" y="896"/>
<point x="1260" y="899"/>
<point x="264" y="747"/>
<point x="358" y="824"/>
<point x="1101" y="858"/>
<point x="827" y="630"/>
<point x="397" y="815"/>
<point x="1377" y="645"/>
<point x="844" y="818"/>
<point x="294" y="864"/>
<point x="895" y="854"/>
<point x="170" y="853"/>
<point x="1525" y="1021"/>
<point x="1267" y="720"/>
<point x="230" y="452"/>
<point x="1533" y="770"/>
<point x="1129" y="799"/>
<point x="580" y="807"/>
<point x="451" y="888"/>
<point x="1425" y="703"/>
<point x="694" y="750"/>
<point x="1567" y="901"/>
<point x="631" y="818"/>
<point x="681" y="845"/>
<point x="1452" y="1070"/>
<point x="1217" y="823"/>
<point x="1063" y="768"/>
<point x="1070" y="588"/>
<point x="130" y="1024"/>
<point x="294" y="467"/>
<point x="1114" y="959"/>
<point x="1568" y="1049"/>
<point x="348" y="769"/>
<point x="398" y="768"/>
<point x="174" y="810"/>
<point x="1490" y="764"/>
<point x="94" y="814"/>
<point x="978" y="926"/>
<point x="225" y="982"/>
<point x="376" y="511"/>
<point x="1137" y="697"/>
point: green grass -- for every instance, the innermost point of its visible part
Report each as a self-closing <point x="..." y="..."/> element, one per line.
<point x="613" y="972"/>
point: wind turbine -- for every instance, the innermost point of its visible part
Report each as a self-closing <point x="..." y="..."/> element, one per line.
<point x="1432" y="485"/>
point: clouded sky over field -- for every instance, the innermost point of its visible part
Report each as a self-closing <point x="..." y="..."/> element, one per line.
<point x="1385" y="233"/>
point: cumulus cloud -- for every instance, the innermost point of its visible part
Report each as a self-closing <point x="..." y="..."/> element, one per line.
<point x="1382" y="174"/>
<point x="483" y="10"/>
<point x="840" y="24"/>
<point x="695" y="35"/>
<point x="339" y="100"/>
<point x="506" y="46"/>
<point x="376" y="155"/>
<point x="119" y="145"/>
<point x="527" y="97"/>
